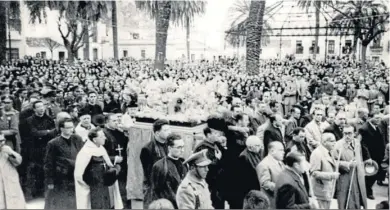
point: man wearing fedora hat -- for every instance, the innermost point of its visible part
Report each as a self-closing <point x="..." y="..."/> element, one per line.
<point x="193" y="192"/>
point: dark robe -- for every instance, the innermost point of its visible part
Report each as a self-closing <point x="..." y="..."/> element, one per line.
<point x="166" y="177"/>
<point x="59" y="167"/>
<point x="247" y="179"/>
<point x="114" y="139"/>
<point x="93" y="109"/>
<point x="94" y="177"/>
<point x="42" y="130"/>
<point x="111" y="107"/>
<point x="150" y="154"/>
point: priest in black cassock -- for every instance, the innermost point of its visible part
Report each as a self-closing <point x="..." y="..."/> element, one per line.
<point x="42" y="129"/>
<point x="59" y="165"/>
<point x="168" y="172"/>
<point x="116" y="144"/>
<point x="153" y="151"/>
<point x="91" y="107"/>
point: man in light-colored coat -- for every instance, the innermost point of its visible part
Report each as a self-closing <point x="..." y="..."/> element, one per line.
<point x="269" y="169"/>
<point x="313" y="130"/>
<point x="323" y="170"/>
<point x="351" y="166"/>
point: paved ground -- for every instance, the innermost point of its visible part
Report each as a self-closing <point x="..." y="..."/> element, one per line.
<point x="380" y="194"/>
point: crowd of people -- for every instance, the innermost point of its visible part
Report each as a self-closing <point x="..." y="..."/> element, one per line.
<point x="300" y="134"/>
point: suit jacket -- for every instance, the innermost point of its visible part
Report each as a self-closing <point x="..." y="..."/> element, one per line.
<point x="291" y="125"/>
<point x="335" y="129"/>
<point x="373" y="144"/>
<point x="313" y="134"/>
<point x="322" y="165"/>
<point x="272" y="134"/>
<point x="267" y="172"/>
<point x="290" y="191"/>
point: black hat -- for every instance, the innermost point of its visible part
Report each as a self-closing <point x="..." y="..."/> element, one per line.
<point x="83" y="112"/>
<point x="217" y="123"/>
<point x="49" y="94"/>
<point x="99" y="120"/>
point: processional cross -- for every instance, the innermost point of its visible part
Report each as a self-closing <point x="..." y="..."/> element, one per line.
<point x="119" y="149"/>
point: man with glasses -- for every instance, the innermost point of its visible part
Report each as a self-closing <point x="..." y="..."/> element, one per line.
<point x="59" y="166"/>
<point x="168" y="173"/>
<point x="348" y="151"/>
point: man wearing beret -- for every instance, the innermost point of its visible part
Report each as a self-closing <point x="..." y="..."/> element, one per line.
<point x="193" y="192"/>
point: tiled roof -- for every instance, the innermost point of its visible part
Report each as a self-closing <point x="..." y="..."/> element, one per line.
<point x="38" y="41"/>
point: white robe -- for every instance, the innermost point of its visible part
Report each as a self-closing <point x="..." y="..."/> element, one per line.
<point x="83" y="158"/>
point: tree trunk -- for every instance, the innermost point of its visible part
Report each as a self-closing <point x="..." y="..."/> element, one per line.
<point x="363" y="62"/>
<point x="115" y="29"/>
<point x="355" y="42"/>
<point x="86" y="41"/>
<point x="51" y="52"/>
<point x="188" y="38"/>
<point x="318" y="8"/>
<point x="162" y="25"/>
<point x="3" y="32"/>
<point x="254" y="31"/>
<point x="71" y="55"/>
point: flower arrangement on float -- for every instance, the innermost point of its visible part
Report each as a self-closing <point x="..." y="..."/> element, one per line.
<point x="187" y="104"/>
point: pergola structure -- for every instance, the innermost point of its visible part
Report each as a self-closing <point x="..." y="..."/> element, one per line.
<point x="303" y="27"/>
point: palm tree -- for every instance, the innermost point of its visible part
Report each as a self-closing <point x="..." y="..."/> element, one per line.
<point x="165" y="11"/>
<point x="114" y="29"/>
<point x="318" y="4"/>
<point x="253" y="35"/>
<point x="76" y="14"/>
<point x="366" y="18"/>
<point x="12" y="8"/>
<point x="236" y="34"/>
<point x="185" y="12"/>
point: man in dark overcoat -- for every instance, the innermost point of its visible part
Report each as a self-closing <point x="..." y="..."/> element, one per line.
<point x="373" y="145"/>
<point x="153" y="151"/>
<point x="59" y="166"/>
<point x="42" y="129"/>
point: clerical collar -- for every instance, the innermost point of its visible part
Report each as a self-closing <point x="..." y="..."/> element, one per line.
<point x="170" y="156"/>
<point x="158" y="140"/>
